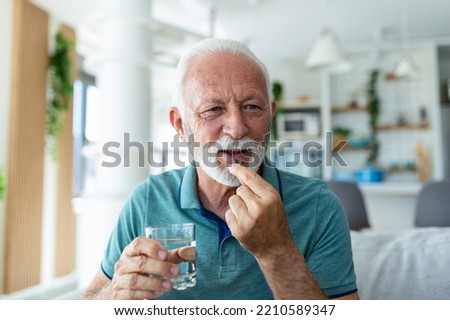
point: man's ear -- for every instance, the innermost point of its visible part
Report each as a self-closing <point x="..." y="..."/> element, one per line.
<point x="177" y="122"/>
<point x="274" y="108"/>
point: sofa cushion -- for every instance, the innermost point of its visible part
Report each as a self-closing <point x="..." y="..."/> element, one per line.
<point x="411" y="264"/>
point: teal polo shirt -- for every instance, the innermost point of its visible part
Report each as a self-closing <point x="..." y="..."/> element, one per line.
<point x="225" y="270"/>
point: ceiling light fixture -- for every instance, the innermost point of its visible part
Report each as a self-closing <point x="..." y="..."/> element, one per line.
<point x="405" y="67"/>
<point x="327" y="54"/>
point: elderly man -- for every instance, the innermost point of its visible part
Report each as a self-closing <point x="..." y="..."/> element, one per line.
<point x="261" y="233"/>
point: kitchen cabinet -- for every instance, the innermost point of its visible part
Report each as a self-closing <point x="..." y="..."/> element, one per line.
<point x="298" y="121"/>
<point x="299" y="133"/>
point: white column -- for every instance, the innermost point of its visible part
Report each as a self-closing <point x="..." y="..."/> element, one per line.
<point x="325" y="97"/>
<point x="123" y="78"/>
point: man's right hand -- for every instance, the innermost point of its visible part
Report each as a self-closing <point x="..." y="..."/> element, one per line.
<point x="141" y="258"/>
<point x="132" y="279"/>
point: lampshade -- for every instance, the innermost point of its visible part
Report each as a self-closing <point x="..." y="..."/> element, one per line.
<point x="327" y="54"/>
<point x="406" y="68"/>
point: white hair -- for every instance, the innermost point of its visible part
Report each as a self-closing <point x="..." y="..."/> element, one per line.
<point x="210" y="46"/>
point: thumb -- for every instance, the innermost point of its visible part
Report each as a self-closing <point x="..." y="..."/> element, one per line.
<point x="182" y="254"/>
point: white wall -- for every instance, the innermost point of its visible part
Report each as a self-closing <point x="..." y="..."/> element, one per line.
<point x="296" y="79"/>
<point x="5" y="72"/>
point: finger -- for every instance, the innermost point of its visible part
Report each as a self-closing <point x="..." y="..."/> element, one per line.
<point x="137" y="284"/>
<point x="231" y="220"/>
<point x="244" y="191"/>
<point x="126" y="294"/>
<point x="237" y="227"/>
<point x="246" y="194"/>
<point x="145" y="246"/>
<point x="251" y="179"/>
<point x="182" y="254"/>
<point x="238" y="207"/>
<point x="146" y="295"/>
<point x="249" y="199"/>
<point x="145" y="265"/>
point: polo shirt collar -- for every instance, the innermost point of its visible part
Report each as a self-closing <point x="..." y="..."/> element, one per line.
<point x="187" y="195"/>
<point x="188" y="198"/>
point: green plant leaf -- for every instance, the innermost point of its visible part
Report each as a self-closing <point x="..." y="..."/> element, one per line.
<point x="374" y="115"/>
<point x="60" y="87"/>
<point x="2" y="185"/>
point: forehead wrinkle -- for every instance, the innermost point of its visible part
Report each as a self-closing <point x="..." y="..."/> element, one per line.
<point x="245" y="71"/>
<point x="222" y="63"/>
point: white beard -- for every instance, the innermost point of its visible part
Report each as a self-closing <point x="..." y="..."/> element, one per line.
<point x="221" y="174"/>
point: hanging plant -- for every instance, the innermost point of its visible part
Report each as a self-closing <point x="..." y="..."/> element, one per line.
<point x="60" y="89"/>
<point x="277" y="91"/>
<point x="372" y="173"/>
<point x="374" y="114"/>
<point x="2" y="185"/>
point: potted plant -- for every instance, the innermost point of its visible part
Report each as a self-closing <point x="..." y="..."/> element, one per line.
<point x="341" y="133"/>
<point x="60" y="89"/>
<point x="371" y="173"/>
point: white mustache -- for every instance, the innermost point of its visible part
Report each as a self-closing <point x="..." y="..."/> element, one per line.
<point x="227" y="143"/>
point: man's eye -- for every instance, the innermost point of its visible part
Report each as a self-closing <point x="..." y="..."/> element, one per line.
<point x="252" y="107"/>
<point x="214" y="109"/>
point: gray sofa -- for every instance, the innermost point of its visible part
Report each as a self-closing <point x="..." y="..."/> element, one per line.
<point x="411" y="264"/>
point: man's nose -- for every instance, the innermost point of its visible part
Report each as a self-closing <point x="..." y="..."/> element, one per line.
<point x="235" y="124"/>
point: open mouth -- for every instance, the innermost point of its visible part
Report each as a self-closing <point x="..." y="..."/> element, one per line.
<point x="245" y="151"/>
<point x="233" y="155"/>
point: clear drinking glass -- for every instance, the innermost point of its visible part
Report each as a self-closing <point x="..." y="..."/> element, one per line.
<point x="175" y="236"/>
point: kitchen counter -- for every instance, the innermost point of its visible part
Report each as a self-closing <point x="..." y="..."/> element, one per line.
<point x="390" y="205"/>
<point x="391" y="188"/>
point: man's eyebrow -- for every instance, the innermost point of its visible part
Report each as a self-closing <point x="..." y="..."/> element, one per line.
<point x="250" y="96"/>
<point x="207" y="102"/>
<point x="253" y="96"/>
<point x="212" y="99"/>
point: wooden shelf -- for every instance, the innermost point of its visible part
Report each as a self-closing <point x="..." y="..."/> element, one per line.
<point x="298" y="104"/>
<point x="406" y="126"/>
<point x="401" y="170"/>
<point x="297" y="139"/>
<point x="356" y="149"/>
<point x="348" y="148"/>
<point x="351" y="108"/>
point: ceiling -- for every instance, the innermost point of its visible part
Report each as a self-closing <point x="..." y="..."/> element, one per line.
<point x="278" y="29"/>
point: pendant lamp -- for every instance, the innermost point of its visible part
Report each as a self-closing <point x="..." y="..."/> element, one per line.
<point x="327" y="54"/>
<point x="405" y="67"/>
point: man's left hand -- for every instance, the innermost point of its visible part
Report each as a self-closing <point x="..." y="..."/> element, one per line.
<point x="256" y="217"/>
